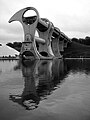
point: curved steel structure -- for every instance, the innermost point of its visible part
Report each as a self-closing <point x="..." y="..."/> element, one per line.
<point x="49" y="41"/>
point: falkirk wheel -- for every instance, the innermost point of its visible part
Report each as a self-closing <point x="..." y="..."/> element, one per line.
<point x="51" y="40"/>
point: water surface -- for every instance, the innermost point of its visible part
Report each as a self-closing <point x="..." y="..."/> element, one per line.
<point x="45" y="90"/>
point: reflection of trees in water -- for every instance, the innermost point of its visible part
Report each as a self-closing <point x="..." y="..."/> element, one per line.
<point x="40" y="78"/>
<point x="78" y="65"/>
<point x="0" y="71"/>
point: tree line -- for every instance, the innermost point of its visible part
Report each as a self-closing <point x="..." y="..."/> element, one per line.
<point x="85" y="41"/>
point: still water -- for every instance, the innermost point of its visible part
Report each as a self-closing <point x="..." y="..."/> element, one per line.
<point x="45" y="90"/>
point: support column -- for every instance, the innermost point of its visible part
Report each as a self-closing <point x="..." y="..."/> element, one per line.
<point x="45" y="49"/>
<point x="55" y="46"/>
<point x="28" y="49"/>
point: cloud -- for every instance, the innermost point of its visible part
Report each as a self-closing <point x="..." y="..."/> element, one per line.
<point x="10" y="33"/>
<point x="71" y="16"/>
<point x="73" y="23"/>
<point x="5" y="38"/>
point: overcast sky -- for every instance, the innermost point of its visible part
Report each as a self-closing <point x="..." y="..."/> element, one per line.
<point x="71" y="16"/>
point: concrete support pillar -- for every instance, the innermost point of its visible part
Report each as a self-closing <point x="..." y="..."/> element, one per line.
<point x="61" y="46"/>
<point x="55" y="46"/>
<point x="46" y="49"/>
<point x="65" y="43"/>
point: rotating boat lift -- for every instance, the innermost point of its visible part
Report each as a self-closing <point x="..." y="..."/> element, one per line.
<point x="49" y="41"/>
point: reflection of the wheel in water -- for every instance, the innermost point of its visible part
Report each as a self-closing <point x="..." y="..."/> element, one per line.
<point x="41" y="78"/>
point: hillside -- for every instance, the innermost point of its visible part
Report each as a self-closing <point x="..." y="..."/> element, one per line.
<point x="76" y="49"/>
